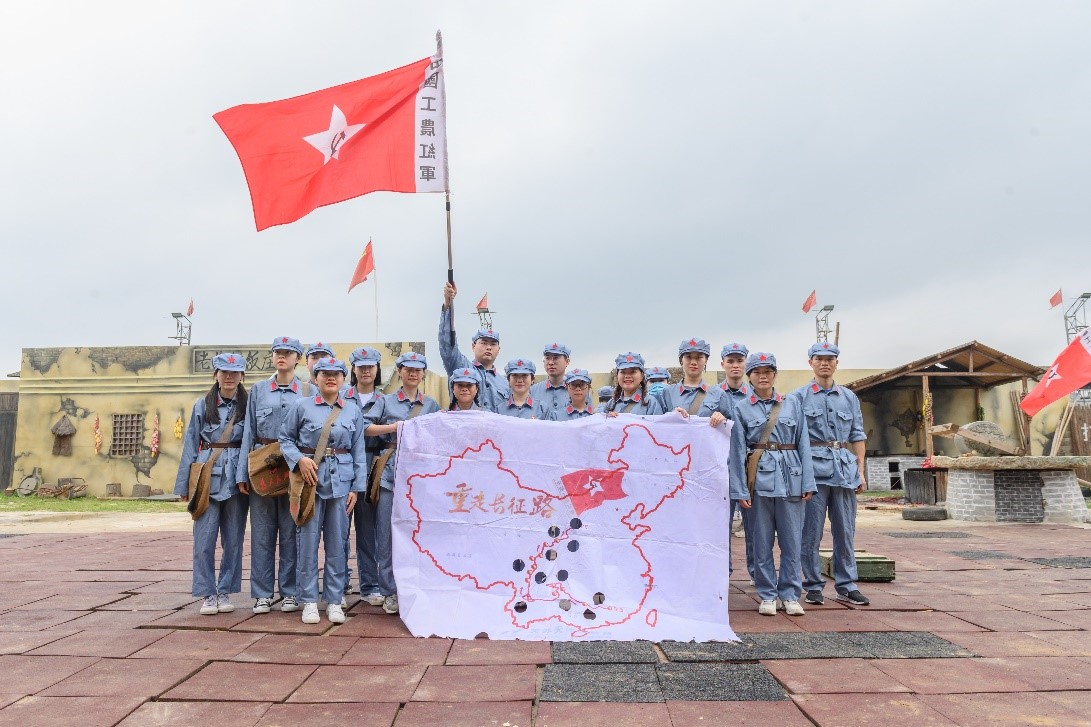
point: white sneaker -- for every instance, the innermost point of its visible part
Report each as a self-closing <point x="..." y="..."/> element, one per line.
<point x="344" y="603"/>
<point x="374" y="599"/>
<point x="793" y="608"/>
<point x="310" y="613"/>
<point x="768" y="608"/>
<point x="390" y="604"/>
<point x="224" y="604"/>
<point x="263" y="605"/>
<point x="289" y="604"/>
<point x="335" y="614"/>
<point x="210" y="607"/>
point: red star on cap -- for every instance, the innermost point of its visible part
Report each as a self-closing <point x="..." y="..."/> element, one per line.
<point x="284" y="340"/>
<point x="414" y="356"/>
<point x="734" y="345"/>
<point x="318" y="344"/>
<point x="519" y="362"/>
<point x="333" y="361"/>
<point x="231" y="359"/>
<point x="553" y="345"/>
<point x="628" y="358"/>
<point x="692" y="342"/>
<point x="762" y="357"/>
<point x="825" y="345"/>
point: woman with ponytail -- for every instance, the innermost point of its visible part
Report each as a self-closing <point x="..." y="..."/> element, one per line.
<point x="214" y="434"/>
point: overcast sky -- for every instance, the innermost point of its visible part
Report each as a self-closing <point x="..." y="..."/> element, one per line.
<point x="623" y="175"/>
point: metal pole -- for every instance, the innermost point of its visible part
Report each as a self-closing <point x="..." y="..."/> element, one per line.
<point x="450" y="264"/>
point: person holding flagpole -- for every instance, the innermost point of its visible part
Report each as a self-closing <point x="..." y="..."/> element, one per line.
<point x="485" y="348"/>
<point x="270" y="521"/>
<point x="213" y="440"/>
<point x="405" y="403"/>
<point x="365" y="379"/>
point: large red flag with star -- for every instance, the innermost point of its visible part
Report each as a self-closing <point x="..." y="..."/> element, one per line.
<point x="1071" y="371"/>
<point x="386" y="132"/>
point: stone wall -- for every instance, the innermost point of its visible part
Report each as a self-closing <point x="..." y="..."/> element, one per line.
<point x="971" y="495"/>
<point x="879" y="474"/>
<point x="1063" y="500"/>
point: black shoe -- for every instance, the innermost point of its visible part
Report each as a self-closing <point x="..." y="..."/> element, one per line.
<point x="815" y="597"/>
<point x="854" y="597"/>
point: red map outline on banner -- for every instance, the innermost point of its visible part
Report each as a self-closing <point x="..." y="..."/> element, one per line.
<point x="522" y="587"/>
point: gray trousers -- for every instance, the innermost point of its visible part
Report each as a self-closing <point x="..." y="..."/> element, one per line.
<point x="782" y="517"/>
<point x="271" y="525"/>
<point x="225" y="520"/>
<point x="840" y="503"/>
<point x="328" y="525"/>
<point x="363" y="523"/>
<point x="384" y="544"/>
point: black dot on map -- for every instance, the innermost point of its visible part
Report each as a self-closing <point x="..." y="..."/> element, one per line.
<point x="551" y="554"/>
<point x="598" y="599"/>
<point x="565" y="604"/>
<point x="554" y="531"/>
<point x="589" y="615"/>
<point x="518" y="565"/>
<point x="562" y="575"/>
<point x="574" y="546"/>
<point x="539" y="577"/>
<point x="520" y="607"/>
<point x="576" y="523"/>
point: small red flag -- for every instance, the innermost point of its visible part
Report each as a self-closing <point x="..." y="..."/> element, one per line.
<point x="189" y="310"/>
<point x="811" y="300"/>
<point x="386" y="132"/>
<point x="364" y="268"/>
<point x="1055" y="300"/>
<point x="588" y="489"/>
<point x="483" y="304"/>
<point x="1071" y="371"/>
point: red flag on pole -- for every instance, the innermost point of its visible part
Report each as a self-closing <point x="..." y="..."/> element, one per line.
<point x="364" y="268"/>
<point x="1071" y="371"/>
<point x="189" y="310"/>
<point x="386" y="132"/>
<point x="1055" y="300"/>
<point x="483" y="304"/>
<point x="811" y="300"/>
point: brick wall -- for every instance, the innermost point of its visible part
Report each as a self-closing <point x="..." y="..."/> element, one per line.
<point x="1064" y="501"/>
<point x="1018" y="496"/>
<point x="971" y="495"/>
<point x="878" y="470"/>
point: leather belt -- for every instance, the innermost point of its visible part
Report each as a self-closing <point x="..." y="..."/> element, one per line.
<point x="266" y="440"/>
<point x="219" y="445"/>
<point x="329" y="451"/>
<point x="772" y="446"/>
<point x="833" y="445"/>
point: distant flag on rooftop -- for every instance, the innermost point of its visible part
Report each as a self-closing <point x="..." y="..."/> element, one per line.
<point x="364" y="267"/>
<point x="1071" y="371"/>
<point x="483" y="304"/>
<point x="811" y="300"/>
<point x="189" y="310"/>
<point x="386" y="132"/>
<point x="1055" y="300"/>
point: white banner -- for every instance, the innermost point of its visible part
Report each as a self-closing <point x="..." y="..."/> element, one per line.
<point x="603" y="528"/>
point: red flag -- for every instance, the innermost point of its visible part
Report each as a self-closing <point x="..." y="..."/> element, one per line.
<point x="1055" y="299"/>
<point x="1069" y="372"/>
<point x="386" y="132"/>
<point x="364" y="268"/>
<point x="590" y="488"/>
<point x="189" y="311"/>
<point x="483" y="304"/>
<point x="811" y="300"/>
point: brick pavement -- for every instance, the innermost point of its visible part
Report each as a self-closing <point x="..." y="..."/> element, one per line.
<point x="99" y="629"/>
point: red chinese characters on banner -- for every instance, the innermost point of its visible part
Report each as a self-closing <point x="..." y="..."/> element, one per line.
<point x="465" y="500"/>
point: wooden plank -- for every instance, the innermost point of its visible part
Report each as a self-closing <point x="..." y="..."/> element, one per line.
<point x="954" y="430"/>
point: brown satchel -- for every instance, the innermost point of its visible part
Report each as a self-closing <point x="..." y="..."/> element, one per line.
<point x="754" y="457"/>
<point x="200" y="474"/>
<point x="375" y="474"/>
<point x="300" y="492"/>
<point x="268" y="471"/>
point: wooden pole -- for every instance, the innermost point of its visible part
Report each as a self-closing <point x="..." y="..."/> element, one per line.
<point x="450" y="265"/>
<point x="837" y="334"/>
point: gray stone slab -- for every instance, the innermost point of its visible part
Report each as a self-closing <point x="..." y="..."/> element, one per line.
<point x="904" y="645"/>
<point x="719" y="683"/>
<point x="600" y="683"/>
<point x="927" y="534"/>
<point x="1075" y="562"/>
<point x="691" y="651"/>
<point x="604" y="652"/>
<point x="982" y="555"/>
